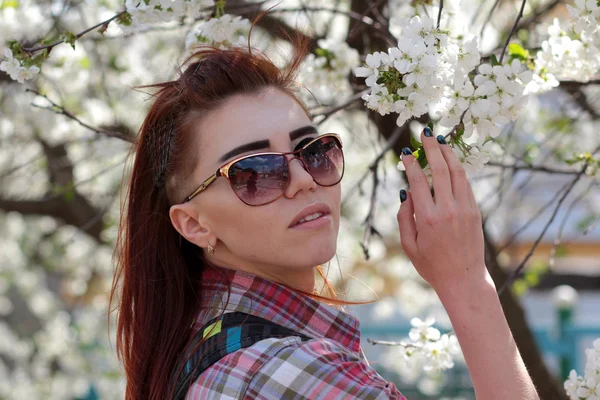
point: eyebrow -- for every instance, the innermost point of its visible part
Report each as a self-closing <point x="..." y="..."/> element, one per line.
<point x="264" y="144"/>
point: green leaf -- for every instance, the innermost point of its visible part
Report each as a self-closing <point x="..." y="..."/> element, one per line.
<point x="494" y="60"/>
<point x="9" y="4"/>
<point x="415" y="143"/>
<point x="515" y="50"/>
<point x="124" y="19"/>
<point x="85" y="63"/>
<point x="68" y="192"/>
<point x="220" y="8"/>
<point x="430" y="125"/>
<point x="538" y="266"/>
<point x="421" y="157"/>
<point x="48" y="41"/>
<point x="528" y="157"/>
<point x="321" y="52"/>
<point x="585" y="222"/>
<point x="519" y="287"/>
<point x="561" y="250"/>
<point x="532" y="278"/>
<point x="587" y="156"/>
<point x="113" y="64"/>
<point x="523" y="35"/>
<point x="70" y="38"/>
<point x="563" y="125"/>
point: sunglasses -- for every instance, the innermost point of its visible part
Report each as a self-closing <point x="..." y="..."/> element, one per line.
<point x="262" y="178"/>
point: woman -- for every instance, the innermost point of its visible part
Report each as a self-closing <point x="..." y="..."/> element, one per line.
<point x="196" y="245"/>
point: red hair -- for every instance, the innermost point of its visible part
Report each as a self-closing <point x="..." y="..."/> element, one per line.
<point x="157" y="271"/>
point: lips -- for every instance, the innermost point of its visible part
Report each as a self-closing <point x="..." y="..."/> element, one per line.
<point x="312" y="209"/>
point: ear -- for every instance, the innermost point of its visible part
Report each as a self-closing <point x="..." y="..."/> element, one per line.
<point x="187" y="221"/>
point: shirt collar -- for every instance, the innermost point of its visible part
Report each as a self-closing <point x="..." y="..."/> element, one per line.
<point x="260" y="297"/>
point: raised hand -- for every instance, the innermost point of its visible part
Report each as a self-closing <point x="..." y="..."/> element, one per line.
<point x="443" y="237"/>
<point x="441" y="234"/>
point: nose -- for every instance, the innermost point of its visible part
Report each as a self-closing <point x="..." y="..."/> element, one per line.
<point x="300" y="179"/>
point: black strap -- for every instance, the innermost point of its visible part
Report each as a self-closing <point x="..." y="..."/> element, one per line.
<point x="226" y="334"/>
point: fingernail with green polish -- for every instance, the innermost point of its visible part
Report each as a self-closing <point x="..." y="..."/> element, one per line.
<point x="402" y="195"/>
<point x="441" y="139"/>
<point x="428" y="132"/>
<point x="406" y="151"/>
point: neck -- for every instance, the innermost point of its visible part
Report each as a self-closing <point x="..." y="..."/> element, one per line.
<point x="296" y="278"/>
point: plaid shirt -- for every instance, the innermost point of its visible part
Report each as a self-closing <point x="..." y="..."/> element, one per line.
<point x="329" y="366"/>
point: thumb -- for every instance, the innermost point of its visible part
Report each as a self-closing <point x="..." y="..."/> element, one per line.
<point x="407" y="225"/>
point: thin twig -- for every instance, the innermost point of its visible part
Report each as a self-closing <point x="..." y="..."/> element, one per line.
<point x="388" y="343"/>
<point x="536" y="168"/>
<point x="62" y="111"/>
<point x="591" y="226"/>
<point x="333" y="109"/>
<point x="477" y="12"/>
<point x="517" y="271"/>
<point x="440" y="13"/>
<point x="489" y="17"/>
<point x="563" y="224"/>
<point x="31" y="50"/>
<point x="350" y="14"/>
<point x="369" y="228"/>
<point x="503" y="176"/>
<point x="533" y="218"/>
<point x="538" y="13"/>
<point x="388" y="146"/>
<point x="512" y="31"/>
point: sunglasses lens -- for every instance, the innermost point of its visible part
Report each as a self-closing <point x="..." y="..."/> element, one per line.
<point x="259" y="180"/>
<point x="325" y="161"/>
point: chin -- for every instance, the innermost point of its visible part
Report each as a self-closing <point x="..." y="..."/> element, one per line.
<point x="321" y="252"/>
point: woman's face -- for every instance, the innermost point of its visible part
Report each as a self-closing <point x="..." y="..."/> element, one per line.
<point x="260" y="239"/>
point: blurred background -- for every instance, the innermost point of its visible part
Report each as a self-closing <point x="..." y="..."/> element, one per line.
<point x="65" y="134"/>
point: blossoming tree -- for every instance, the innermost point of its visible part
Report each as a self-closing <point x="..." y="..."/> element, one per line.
<point x="484" y="74"/>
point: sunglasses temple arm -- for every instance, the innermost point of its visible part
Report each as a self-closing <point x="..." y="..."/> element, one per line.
<point x="204" y="185"/>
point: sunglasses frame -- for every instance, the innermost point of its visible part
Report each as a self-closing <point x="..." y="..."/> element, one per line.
<point x="223" y="170"/>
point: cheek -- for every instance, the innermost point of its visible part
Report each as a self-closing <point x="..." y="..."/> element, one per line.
<point x="260" y="233"/>
<point x="246" y="231"/>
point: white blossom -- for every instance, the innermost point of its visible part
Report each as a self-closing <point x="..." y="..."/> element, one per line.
<point x="587" y="16"/>
<point x="423" y="330"/>
<point x="586" y="387"/>
<point x="14" y="68"/>
<point x="413" y="74"/>
<point x="223" y="32"/>
<point x="371" y="71"/>
<point x="563" y="57"/>
<point x="468" y="56"/>
<point x="439" y="354"/>
<point x="327" y="73"/>
<point x="148" y="12"/>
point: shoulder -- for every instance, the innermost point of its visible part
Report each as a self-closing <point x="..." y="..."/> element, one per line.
<point x="318" y="369"/>
<point x="289" y="368"/>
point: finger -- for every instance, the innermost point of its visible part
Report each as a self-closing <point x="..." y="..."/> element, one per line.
<point x="442" y="185"/>
<point x="458" y="175"/>
<point x="471" y="197"/>
<point x="406" y="224"/>
<point x="419" y="185"/>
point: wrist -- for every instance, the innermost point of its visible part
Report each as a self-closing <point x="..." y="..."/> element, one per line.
<point x="467" y="293"/>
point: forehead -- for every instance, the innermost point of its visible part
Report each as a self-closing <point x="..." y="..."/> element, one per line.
<point x="268" y="115"/>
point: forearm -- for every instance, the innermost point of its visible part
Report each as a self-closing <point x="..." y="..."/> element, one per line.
<point x="495" y="365"/>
